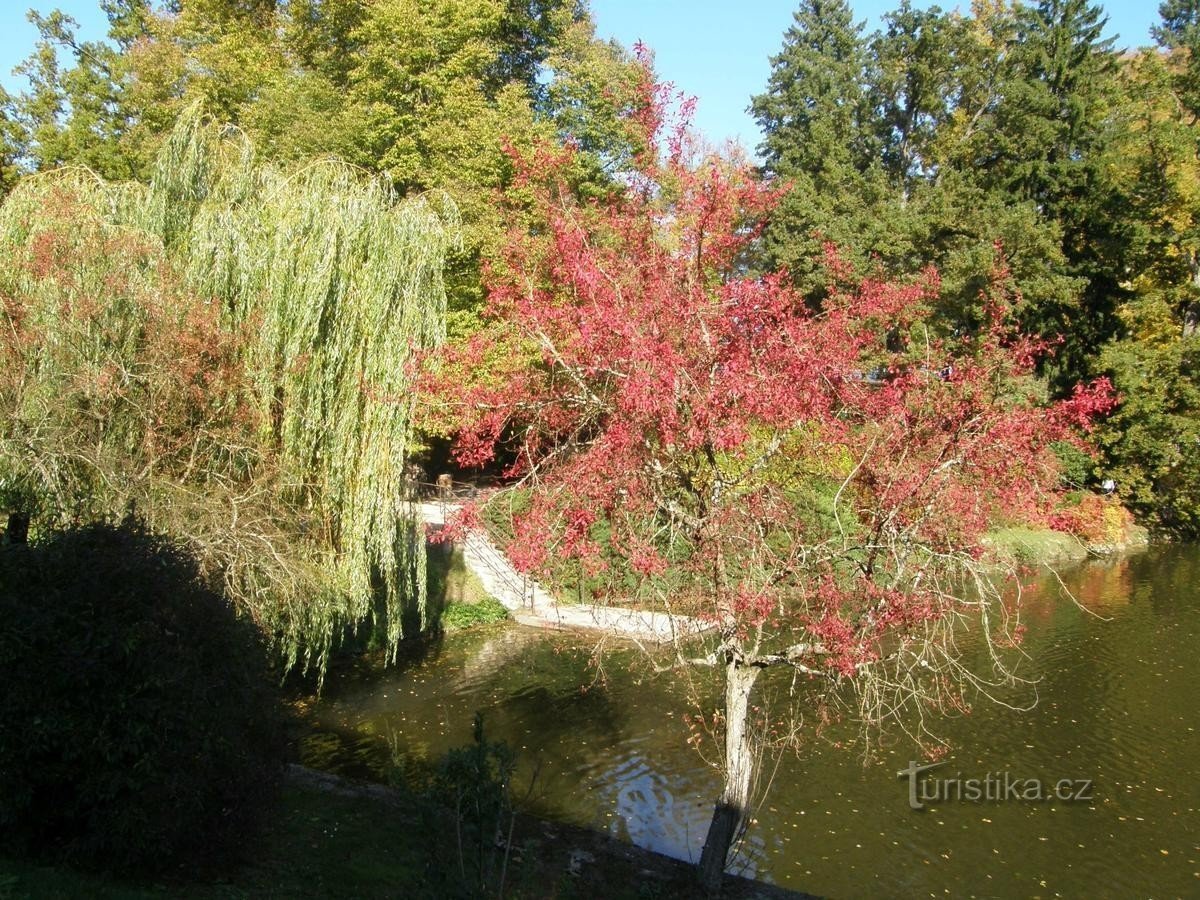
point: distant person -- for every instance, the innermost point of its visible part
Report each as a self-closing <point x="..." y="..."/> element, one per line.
<point x="1108" y="486"/>
<point x="445" y="485"/>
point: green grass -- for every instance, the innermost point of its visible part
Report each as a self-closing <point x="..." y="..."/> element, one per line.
<point x="1032" y="546"/>
<point x="457" y="599"/>
<point x="315" y="845"/>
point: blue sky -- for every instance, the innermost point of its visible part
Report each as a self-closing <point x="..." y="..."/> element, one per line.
<point x="719" y="51"/>
<point x="715" y="50"/>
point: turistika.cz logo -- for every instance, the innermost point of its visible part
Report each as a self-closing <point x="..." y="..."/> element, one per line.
<point x="995" y="787"/>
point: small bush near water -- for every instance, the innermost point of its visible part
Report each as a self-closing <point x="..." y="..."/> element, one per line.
<point x="139" y="728"/>
<point x="475" y="784"/>
<point x="457" y="616"/>
<point x="457" y="599"/>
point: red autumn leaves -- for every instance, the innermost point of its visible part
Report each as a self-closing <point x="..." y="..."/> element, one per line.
<point x="653" y="384"/>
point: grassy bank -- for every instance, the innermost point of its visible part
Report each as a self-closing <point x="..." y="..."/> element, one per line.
<point x="320" y="843"/>
<point x="314" y="845"/>
<point x="1034" y="546"/>
<point x="456" y="595"/>
<point x="1043" y="546"/>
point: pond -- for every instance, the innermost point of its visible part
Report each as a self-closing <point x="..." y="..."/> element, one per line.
<point x="1117" y="708"/>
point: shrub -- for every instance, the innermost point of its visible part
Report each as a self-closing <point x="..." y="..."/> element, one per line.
<point x="457" y="616"/>
<point x="475" y="783"/>
<point x="139" y="727"/>
<point x="1075" y="466"/>
<point x="1095" y="520"/>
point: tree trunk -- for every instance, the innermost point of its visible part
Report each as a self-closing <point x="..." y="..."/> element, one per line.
<point x="734" y="806"/>
<point x="17" y="531"/>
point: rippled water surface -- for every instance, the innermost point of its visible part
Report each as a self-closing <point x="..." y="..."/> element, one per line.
<point x="1118" y="703"/>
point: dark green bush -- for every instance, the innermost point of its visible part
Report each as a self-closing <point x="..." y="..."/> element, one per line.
<point x="139" y="721"/>
<point x="475" y="783"/>
<point x="1075" y="466"/>
<point x="458" y="616"/>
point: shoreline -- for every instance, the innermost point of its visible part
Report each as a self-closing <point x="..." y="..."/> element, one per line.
<point x="583" y="855"/>
<point x="1044" y="547"/>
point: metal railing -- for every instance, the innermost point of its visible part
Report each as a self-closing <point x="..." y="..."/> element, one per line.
<point x="494" y="559"/>
<point x="448" y="490"/>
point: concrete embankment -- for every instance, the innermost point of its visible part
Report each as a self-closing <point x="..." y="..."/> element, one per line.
<point x="531" y="604"/>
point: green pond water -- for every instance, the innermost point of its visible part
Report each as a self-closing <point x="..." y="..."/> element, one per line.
<point x="1118" y="705"/>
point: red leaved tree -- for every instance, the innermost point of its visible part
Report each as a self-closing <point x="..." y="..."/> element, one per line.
<point x="814" y="483"/>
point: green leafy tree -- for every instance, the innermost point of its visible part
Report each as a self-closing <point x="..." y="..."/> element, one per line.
<point x="811" y="113"/>
<point x="74" y="114"/>
<point x="10" y="145"/>
<point x="1150" y="442"/>
<point x="225" y="350"/>
<point x="592" y="86"/>
<point x="936" y="80"/>
<point x="815" y="137"/>
<point x="1049" y="135"/>
<point x="425" y="93"/>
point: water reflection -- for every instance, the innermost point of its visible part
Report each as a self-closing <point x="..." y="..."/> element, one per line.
<point x="645" y="810"/>
<point x="1116" y="692"/>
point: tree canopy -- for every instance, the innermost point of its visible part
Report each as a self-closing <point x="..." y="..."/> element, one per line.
<point x="946" y="137"/>
<point x="731" y="444"/>
<point x="423" y="94"/>
<point x="788" y="400"/>
<point x="224" y="349"/>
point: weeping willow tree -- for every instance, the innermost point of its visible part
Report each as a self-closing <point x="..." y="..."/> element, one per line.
<point x="323" y="283"/>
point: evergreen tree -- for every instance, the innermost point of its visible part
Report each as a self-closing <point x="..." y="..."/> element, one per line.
<point x="916" y="70"/>
<point x="1180" y="33"/>
<point x="1053" y="129"/>
<point x="878" y="141"/>
<point x="811" y="113"/>
<point x="1149" y="443"/>
<point x="812" y="118"/>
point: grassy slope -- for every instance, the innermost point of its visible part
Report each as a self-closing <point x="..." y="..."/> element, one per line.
<point x="320" y="844"/>
<point x="456" y="597"/>
<point x="1030" y="546"/>
<point x="1042" y="546"/>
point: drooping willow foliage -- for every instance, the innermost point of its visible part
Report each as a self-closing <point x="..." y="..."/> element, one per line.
<point x="324" y="283"/>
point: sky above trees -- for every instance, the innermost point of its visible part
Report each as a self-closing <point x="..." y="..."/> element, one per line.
<point x="711" y="49"/>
